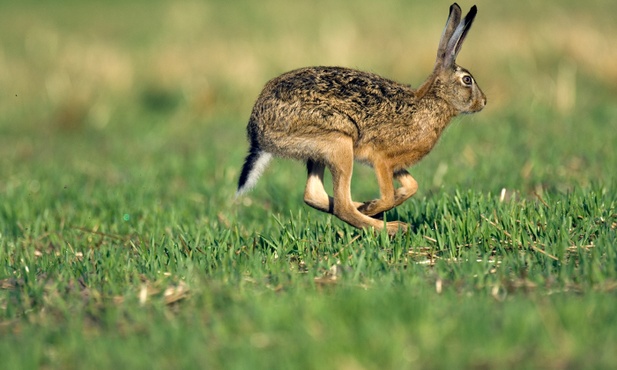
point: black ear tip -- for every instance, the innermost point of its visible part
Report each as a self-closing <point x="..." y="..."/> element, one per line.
<point x="471" y="15"/>
<point x="454" y="6"/>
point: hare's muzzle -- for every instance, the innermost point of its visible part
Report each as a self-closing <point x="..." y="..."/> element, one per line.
<point x="480" y="103"/>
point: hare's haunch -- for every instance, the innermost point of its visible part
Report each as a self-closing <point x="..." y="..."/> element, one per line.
<point x="331" y="116"/>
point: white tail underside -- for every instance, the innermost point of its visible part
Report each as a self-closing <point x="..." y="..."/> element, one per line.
<point x="260" y="165"/>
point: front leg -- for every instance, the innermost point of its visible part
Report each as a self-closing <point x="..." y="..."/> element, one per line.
<point x="390" y="197"/>
<point x="409" y="186"/>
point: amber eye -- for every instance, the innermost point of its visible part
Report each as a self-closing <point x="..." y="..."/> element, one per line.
<point x="467" y="80"/>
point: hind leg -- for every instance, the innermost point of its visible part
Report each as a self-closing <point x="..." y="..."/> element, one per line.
<point x="314" y="193"/>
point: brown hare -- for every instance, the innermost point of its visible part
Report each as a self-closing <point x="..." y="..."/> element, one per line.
<point x="331" y="116"/>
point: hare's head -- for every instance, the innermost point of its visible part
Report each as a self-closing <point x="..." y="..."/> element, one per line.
<point x="450" y="82"/>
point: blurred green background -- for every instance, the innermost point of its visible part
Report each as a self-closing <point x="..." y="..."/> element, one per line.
<point x="123" y="81"/>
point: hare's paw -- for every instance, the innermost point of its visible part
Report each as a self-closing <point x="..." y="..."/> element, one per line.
<point x="374" y="208"/>
<point x="368" y="207"/>
<point x="394" y="226"/>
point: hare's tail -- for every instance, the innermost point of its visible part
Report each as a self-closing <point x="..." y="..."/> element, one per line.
<point x="254" y="165"/>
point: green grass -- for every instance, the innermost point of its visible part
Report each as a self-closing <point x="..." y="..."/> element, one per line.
<point x="121" y="244"/>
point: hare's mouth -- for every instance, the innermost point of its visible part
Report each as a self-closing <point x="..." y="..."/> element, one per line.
<point x="475" y="108"/>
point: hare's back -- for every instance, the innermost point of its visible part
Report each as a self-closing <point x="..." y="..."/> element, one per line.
<point x="343" y="88"/>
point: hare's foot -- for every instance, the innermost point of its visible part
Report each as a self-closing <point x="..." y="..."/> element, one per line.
<point x="373" y="207"/>
<point x="390" y="198"/>
<point x="377" y="207"/>
<point x="394" y="226"/>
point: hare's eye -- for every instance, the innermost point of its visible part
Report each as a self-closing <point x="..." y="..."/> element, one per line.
<point x="467" y="80"/>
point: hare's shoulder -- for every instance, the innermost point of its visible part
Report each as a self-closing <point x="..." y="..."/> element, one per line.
<point x="337" y="83"/>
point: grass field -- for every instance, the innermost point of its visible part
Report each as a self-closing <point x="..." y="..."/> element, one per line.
<point x="122" y="134"/>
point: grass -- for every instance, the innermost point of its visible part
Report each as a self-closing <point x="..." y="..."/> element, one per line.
<point x="121" y="244"/>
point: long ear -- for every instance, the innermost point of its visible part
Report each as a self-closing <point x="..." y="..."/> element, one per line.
<point x="456" y="41"/>
<point x="453" y="20"/>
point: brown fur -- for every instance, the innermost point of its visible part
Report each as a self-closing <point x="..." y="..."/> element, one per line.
<point x="331" y="116"/>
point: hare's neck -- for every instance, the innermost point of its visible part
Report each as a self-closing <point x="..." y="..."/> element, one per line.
<point x="432" y="107"/>
<point x="434" y="111"/>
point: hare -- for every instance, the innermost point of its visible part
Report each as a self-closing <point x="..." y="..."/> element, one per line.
<point x="331" y="116"/>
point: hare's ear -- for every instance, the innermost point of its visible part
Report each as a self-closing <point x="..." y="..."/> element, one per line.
<point x="454" y="19"/>
<point x="458" y="36"/>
